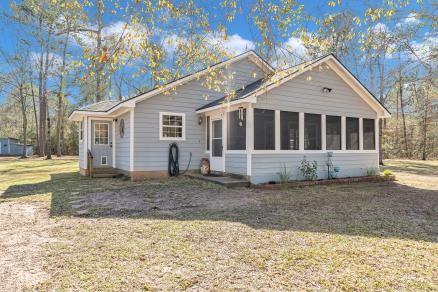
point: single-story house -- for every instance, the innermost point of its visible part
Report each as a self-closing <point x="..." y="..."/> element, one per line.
<point x="12" y="147"/>
<point x="261" y="122"/>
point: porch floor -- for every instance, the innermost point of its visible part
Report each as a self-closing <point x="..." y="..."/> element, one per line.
<point x="227" y="181"/>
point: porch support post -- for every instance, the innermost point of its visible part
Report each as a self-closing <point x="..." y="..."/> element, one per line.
<point x="131" y="140"/>
<point x="344" y="132"/>
<point x="224" y="136"/>
<point x="277" y="130"/>
<point x="249" y="138"/>
<point x="301" y="131"/>
<point x="360" y="133"/>
<point x="85" y="141"/>
<point x="323" y="133"/>
<point x="376" y="139"/>
<point x="114" y="143"/>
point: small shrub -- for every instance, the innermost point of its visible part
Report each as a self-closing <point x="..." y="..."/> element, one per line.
<point x="308" y="169"/>
<point x="371" y="171"/>
<point x="284" y="174"/>
<point x="387" y="172"/>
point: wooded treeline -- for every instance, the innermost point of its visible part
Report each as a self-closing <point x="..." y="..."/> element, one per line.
<point x="75" y="52"/>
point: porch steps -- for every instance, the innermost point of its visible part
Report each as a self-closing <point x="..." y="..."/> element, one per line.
<point x="224" y="180"/>
<point x="105" y="172"/>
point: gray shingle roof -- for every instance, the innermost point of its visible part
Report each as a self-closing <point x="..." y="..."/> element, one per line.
<point x="101" y="106"/>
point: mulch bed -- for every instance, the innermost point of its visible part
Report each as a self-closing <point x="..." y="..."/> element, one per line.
<point x="347" y="180"/>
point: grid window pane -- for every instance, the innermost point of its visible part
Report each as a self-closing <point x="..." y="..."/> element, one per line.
<point x="101" y="132"/>
<point x="369" y="142"/>
<point x="264" y="129"/>
<point x="333" y="132"/>
<point x="312" y="132"/>
<point x="289" y="125"/>
<point x="172" y="126"/>
<point x="352" y="134"/>
<point x="236" y="130"/>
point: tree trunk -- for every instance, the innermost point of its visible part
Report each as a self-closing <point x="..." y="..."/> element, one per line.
<point x="60" y="98"/>
<point x="405" y="136"/>
<point x="23" y="112"/>
<point x="34" y="111"/>
<point x="99" y="65"/>
<point x="49" y="140"/>
<point x="381" y="67"/>
<point x="41" y="97"/>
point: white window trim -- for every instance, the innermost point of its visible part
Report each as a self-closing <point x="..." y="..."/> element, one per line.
<point x="183" y="115"/>
<point x="94" y="136"/>
<point x="101" y="158"/>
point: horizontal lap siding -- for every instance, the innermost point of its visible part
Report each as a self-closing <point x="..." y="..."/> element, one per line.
<point x="265" y="167"/>
<point x="151" y="153"/>
<point x="122" y="144"/>
<point x="304" y="94"/>
<point x="235" y="163"/>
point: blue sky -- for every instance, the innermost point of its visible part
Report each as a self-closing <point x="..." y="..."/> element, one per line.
<point x="241" y="30"/>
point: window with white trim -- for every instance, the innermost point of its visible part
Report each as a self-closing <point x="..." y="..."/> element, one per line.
<point x="101" y="133"/>
<point x="312" y="132"/>
<point x="369" y="140"/>
<point x="333" y="133"/>
<point x="172" y="126"/>
<point x="352" y="131"/>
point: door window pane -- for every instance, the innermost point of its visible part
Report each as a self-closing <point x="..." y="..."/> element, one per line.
<point x="217" y="138"/>
<point x="264" y="129"/>
<point x="289" y="130"/>
<point x="236" y="130"/>
<point x="352" y="134"/>
<point x="369" y="142"/>
<point x="312" y="132"/>
<point x="101" y="132"/>
<point x="333" y="132"/>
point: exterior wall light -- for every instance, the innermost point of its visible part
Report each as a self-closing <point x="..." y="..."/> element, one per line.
<point x="326" y="90"/>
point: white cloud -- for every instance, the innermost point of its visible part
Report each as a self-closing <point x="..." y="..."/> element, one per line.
<point x="296" y="47"/>
<point x="380" y="28"/>
<point x="233" y="44"/>
<point x="425" y="48"/>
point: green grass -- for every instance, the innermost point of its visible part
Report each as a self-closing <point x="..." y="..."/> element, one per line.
<point x="184" y="234"/>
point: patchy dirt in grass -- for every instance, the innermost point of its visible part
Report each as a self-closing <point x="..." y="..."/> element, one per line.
<point x="161" y="197"/>
<point x="24" y="230"/>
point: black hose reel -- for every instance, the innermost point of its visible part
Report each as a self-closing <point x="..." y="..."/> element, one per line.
<point x="173" y="164"/>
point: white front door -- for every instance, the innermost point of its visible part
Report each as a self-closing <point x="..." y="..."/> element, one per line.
<point x="217" y="149"/>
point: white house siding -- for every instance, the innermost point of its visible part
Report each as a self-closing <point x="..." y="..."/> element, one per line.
<point x="304" y="94"/>
<point x="265" y="167"/>
<point x="235" y="163"/>
<point x="151" y="153"/>
<point x="122" y="144"/>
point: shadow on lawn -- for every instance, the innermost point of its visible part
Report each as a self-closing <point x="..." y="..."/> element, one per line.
<point x="375" y="209"/>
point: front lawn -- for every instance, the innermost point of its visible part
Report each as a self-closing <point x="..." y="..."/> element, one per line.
<point x="67" y="232"/>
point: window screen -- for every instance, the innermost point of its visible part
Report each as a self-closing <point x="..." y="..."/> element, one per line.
<point x="352" y="134"/>
<point x="237" y="130"/>
<point x="264" y="129"/>
<point x="289" y="130"/>
<point x="369" y="142"/>
<point x="208" y="133"/>
<point x="333" y="133"/>
<point x="312" y="132"/>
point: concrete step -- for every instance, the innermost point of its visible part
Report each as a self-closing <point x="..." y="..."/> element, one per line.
<point x="224" y="180"/>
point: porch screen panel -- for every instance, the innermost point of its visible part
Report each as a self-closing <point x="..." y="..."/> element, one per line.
<point x="264" y="129"/>
<point x="289" y="130"/>
<point x="312" y="132"/>
<point x="217" y="138"/>
<point x="369" y="142"/>
<point x="236" y="130"/>
<point x="333" y="132"/>
<point x="352" y="134"/>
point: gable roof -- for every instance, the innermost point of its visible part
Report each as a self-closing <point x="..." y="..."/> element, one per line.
<point x="110" y="105"/>
<point x="264" y="85"/>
